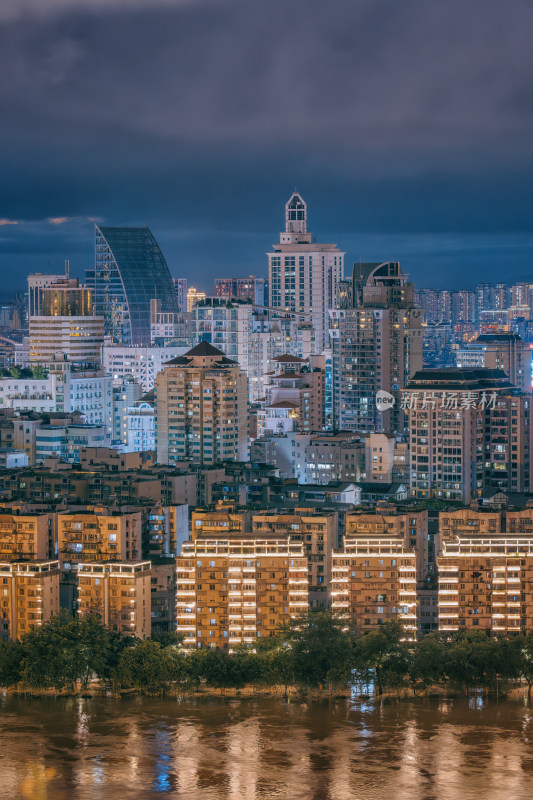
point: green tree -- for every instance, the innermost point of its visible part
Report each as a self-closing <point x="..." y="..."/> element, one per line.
<point x="426" y="665"/>
<point x="39" y="373"/>
<point x="168" y="638"/>
<point x="66" y="650"/>
<point x="11" y="654"/>
<point x="15" y="371"/>
<point x="386" y="653"/>
<point x="148" y="665"/>
<point x="323" y="649"/>
<point x="219" y="669"/>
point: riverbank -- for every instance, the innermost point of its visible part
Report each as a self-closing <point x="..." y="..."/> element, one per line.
<point x="296" y="693"/>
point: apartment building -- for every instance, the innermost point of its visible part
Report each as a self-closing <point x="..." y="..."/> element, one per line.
<point x="29" y="595"/>
<point x="232" y="589"/>
<point x="119" y="593"/>
<point x="411" y="525"/>
<point x="201" y="408"/>
<point x="27" y="536"/>
<point x="95" y="535"/>
<point x="318" y="533"/>
<point x="374" y="579"/>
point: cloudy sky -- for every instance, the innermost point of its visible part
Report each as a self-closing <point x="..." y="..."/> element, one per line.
<point x="406" y="125"/>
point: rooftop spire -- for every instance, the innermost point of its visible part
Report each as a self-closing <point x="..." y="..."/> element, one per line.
<point x="296" y="214"/>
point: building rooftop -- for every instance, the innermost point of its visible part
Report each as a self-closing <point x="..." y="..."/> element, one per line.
<point x="459" y="379"/>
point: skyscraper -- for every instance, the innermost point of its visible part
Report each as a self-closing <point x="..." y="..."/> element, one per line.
<point x="65" y="325"/>
<point x="201" y="408"/>
<point x="129" y="271"/>
<point x="376" y="345"/>
<point x="304" y="275"/>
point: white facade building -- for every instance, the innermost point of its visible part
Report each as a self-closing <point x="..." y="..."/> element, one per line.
<point x="142" y="363"/>
<point x="304" y="275"/>
<point x="64" y="390"/>
<point x="140" y="428"/>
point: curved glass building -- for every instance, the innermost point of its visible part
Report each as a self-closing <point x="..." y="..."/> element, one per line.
<point x="129" y="271"/>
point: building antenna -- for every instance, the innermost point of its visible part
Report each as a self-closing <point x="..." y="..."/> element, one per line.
<point x="67" y="268"/>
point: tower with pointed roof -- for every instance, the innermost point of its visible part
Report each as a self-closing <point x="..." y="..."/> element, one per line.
<point x="304" y="275"/>
<point x="201" y="408"/>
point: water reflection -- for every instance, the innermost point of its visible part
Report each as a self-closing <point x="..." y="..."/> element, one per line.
<point x="263" y="749"/>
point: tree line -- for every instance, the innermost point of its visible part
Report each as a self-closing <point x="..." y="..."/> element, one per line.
<point x="314" y="651"/>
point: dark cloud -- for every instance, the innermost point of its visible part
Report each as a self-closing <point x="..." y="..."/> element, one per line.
<point x="395" y="119"/>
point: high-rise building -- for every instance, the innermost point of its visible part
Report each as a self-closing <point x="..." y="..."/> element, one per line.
<point x="30" y="595"/>
<point x="227" y="326"/>
<point x="504" y="351"/>
<point x="374" y="577"/>
<point x="36" y="283"/>
<point x="141" y="363"/>
<point x="376" y="346"/>
<point x="485" y="567"/>
<point x="470" y="429"/>
<point x="201" y="408"/>
<point x="130" y="270"/>
<point x="66" y="326"/>
<point x="119" y="593"/>
<point x="318" y="532"/>
<point x="304" y="275"/>
<point x="294" y="396"/>
<point x="96" y="535"/>
<point x="234" y="588"/>
<point x="180" y="285"/>
<point x="26" y="537"/>
<point x="194" y="296"/>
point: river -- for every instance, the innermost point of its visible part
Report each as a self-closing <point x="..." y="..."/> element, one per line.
<point x="265" y="749"/>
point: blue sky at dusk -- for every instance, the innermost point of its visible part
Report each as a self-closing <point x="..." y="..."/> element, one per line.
<point x="406" y="126"/>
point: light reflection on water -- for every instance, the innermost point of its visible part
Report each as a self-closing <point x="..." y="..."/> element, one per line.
<point x="266" y="749"/>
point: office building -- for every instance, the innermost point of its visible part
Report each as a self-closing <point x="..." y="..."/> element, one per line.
<point x="304" y="275"/>
<point x="66" y="325"/>
<point x="201" y="408"/>
<point x="130" y="270"/>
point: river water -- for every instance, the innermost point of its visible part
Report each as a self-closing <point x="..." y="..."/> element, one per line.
<point x="265" y="749"/>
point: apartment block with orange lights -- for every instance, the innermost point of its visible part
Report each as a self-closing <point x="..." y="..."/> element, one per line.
<point x="119" y="593"/>
<point x="318" y="534"/>
<point x="485" y="570"/>
<point x="232" y="589"/>
<point x="99" y="535"/>
<point x="26" y="536"/>
<point x="374" y="580"/>
<point x="226" y="521"/>
<point x="410" y="525"/>
<point x="29" y="595"/>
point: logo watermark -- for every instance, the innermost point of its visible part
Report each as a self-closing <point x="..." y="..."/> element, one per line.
<point x="384" y="400"/>
<point x="411" y="401"/>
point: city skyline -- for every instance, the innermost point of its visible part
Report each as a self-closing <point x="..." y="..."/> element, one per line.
<point x="408" y="134"/>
